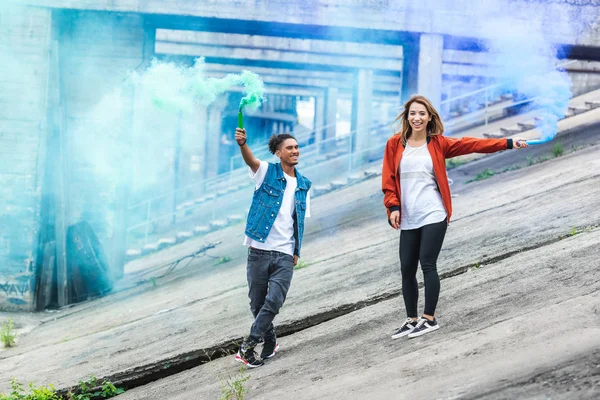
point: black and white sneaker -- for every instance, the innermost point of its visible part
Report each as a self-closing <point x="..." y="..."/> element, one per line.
<point x="269" y="349"/>
<point x="407" y="327"/>
<point x="424" y="326"/>
<point x="247" y="356"/>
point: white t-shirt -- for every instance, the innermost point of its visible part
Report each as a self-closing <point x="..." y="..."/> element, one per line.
<point x="281" y="235"/>
<point x="421" y="200"/>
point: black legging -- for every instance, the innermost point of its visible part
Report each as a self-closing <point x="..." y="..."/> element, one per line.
<point x="422" y="244"/>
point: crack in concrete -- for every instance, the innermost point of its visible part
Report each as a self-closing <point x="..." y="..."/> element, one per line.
<point x="142" y="375"/>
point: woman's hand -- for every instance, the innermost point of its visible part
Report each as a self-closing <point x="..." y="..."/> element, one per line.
<point x="395" y="219"/>
<point x="519" y="143"/>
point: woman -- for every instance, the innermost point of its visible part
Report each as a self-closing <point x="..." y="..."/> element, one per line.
<point x="418" y="202"/>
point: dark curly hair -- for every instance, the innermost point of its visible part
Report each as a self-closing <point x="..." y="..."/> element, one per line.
<point x="276" y="140"/>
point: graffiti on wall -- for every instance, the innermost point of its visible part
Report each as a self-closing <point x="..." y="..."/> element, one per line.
<point x="15" y="292"/>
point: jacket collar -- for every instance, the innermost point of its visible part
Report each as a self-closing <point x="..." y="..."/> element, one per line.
<point x="301" y="184"/>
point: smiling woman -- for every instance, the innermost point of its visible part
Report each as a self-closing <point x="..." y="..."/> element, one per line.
<point x="418" y="202"/>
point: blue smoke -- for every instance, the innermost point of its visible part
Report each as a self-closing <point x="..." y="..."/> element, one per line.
<point x="528" y="64"/>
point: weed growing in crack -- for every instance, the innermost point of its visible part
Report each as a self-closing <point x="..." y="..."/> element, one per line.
<point x="557" y="150"/>
<point x="530" y="161"/>
<point x="573" y="231"/>
<point x="7" y="333"/>
<point x="91" y="389"/>
<point x="485" y="174"/>
<point x="476" y="265"/>
<point x="512" y="168"/>
<point x="233" y="388"/>
<point x="35" y="393"/>
<point x="452" y="163"/>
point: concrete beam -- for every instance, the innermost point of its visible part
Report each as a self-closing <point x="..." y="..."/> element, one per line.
<point x="298" y="73"/>
<point x="288" y="91"/>
<point x="275" y="79"/>
<point x="373" y="21"/>
<point x="303" y="60"/>
<point x="326" y="47"/>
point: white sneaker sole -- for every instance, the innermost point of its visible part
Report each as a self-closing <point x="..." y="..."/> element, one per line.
<point x="272" y="354"/>
<point x="240" y="359"/>
<point x="399" y="335"/>
<point x="417" y="334"/>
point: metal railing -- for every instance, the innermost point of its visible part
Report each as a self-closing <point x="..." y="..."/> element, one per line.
<point x="485" y="101"/>
<point x="339" y="150"/>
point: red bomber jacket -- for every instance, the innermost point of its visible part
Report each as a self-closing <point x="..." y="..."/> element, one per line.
<point x="440" y="148"/>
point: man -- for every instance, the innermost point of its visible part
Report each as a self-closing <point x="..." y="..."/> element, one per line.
<point x="274" y="231"/>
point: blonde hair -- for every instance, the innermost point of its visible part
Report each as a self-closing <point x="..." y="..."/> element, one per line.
<point x="434" y="127"/>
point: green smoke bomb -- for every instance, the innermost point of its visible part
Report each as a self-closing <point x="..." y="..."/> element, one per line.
<point x="240" y="120"/>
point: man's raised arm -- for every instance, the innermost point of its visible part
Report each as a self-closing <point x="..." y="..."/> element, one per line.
<point x="251" y="161"/>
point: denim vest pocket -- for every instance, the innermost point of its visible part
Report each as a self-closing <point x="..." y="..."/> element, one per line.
<point x="267" y="194"/>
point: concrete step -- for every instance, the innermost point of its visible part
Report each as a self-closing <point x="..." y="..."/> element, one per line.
<point x="184" y="235"/>
<point x="149" y="248"/>
<point x="511" y="130"/>
<point x="371" y="172"/>
<point x="165" y="242"/>
<point x="201" y="229"/>
<point x="133" y="253"/>
<point x="321" y="189"/>
<point x="493" y="135"/>
<point x="593" y="104"/>
<point x="527" y="125"/>
<point x="338" y="183"/>
<point x="356" y="176"/>
<point x="234" y="219"/>
<point x="579" y="110"/>
<point x="218" y="224"/>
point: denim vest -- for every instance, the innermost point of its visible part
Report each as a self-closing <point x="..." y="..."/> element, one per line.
<point x="266" y="203"/>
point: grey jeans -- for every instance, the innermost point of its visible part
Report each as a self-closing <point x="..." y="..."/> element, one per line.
<point x="269" y="276"/>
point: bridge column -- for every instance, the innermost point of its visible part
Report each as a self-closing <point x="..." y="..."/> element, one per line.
<point x="331" y="98"/>
<point x="362" y="108"/>
<point x="422" y="68"/>
<point x="430" y="67"/>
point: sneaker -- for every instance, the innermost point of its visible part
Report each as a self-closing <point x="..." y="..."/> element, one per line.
<point x="247" y="356"/>
<point x="269" y="349"/>
<point x="407" y="327"/>
<point x="424" y="326"/>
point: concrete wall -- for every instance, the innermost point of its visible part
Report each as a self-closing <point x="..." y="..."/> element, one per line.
<point x="24" y="51"/>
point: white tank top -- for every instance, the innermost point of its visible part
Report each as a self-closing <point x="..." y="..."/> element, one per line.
<point x="421" y="200"/>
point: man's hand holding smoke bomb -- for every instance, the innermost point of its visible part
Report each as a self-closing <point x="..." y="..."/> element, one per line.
<point x="240" y="136"/>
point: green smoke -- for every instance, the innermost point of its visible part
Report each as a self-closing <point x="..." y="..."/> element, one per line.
<point x="178" y="89"/>
<point x="255" y="88"/>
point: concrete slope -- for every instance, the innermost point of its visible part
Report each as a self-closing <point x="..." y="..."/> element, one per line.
<point x="353" y="263"/>
<point x="502" y="327"/>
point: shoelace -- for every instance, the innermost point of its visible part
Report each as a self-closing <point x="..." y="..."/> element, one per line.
<point x="407" y="321"/>
<point x="421" y="322"/>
